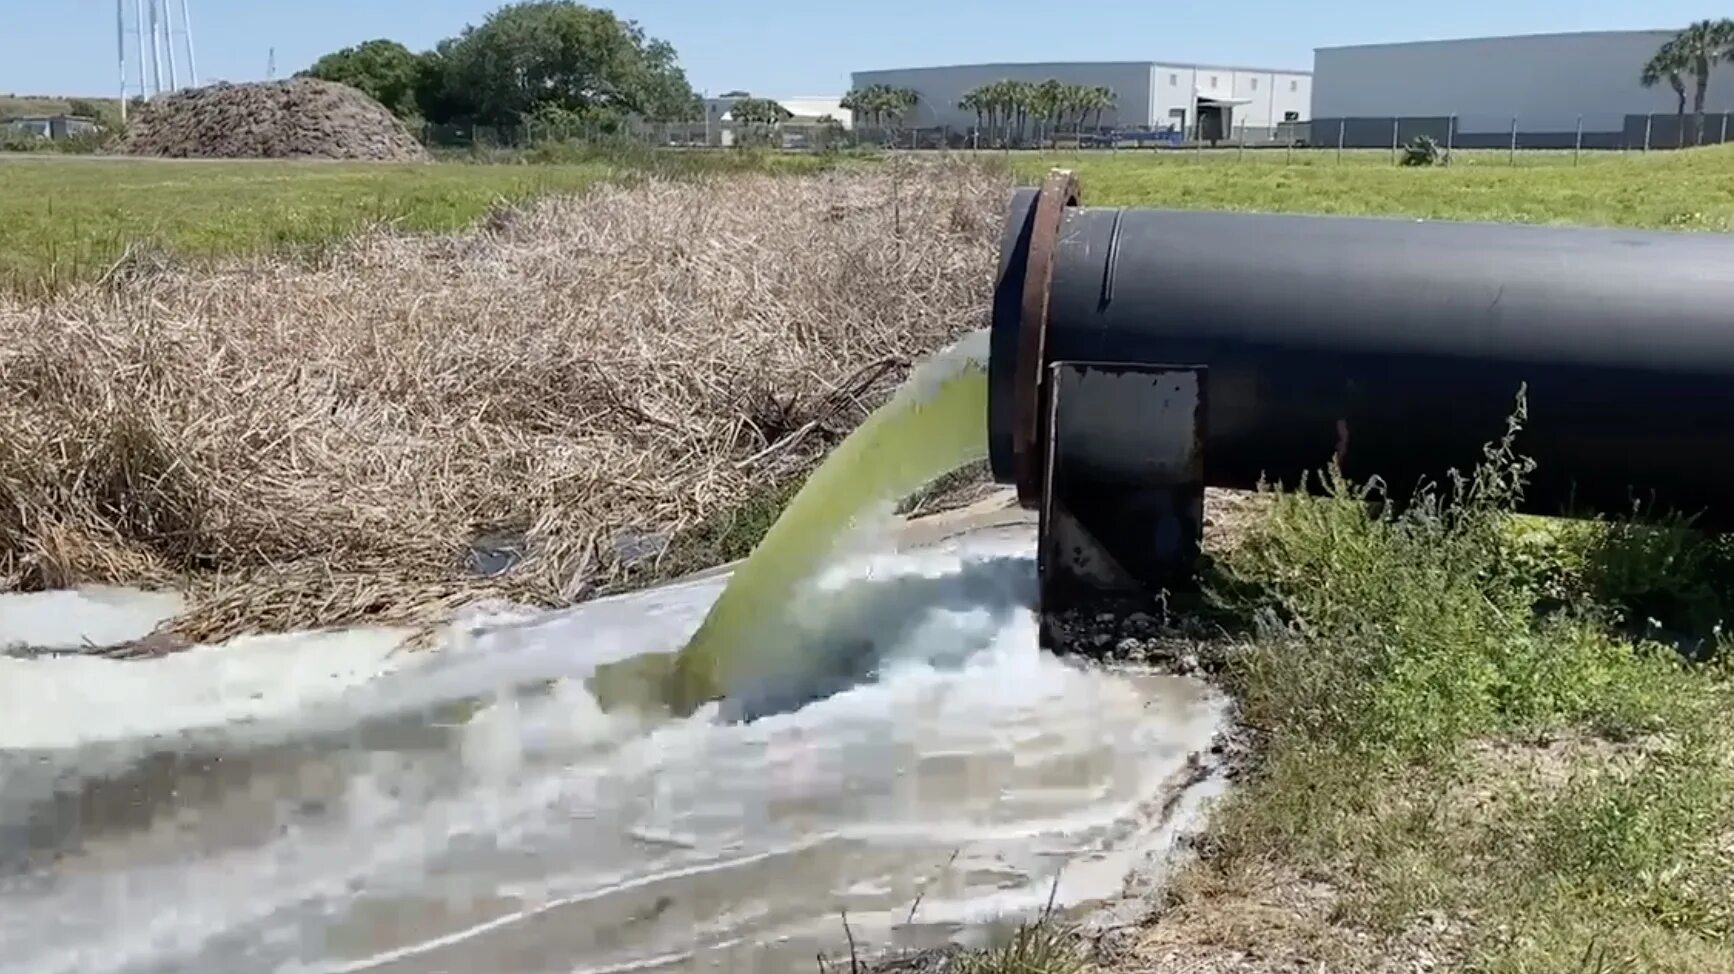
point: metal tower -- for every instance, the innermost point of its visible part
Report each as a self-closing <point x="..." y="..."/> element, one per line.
<point x="152" y="37"/>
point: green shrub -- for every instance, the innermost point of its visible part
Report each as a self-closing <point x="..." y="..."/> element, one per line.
<point x="1406" y="630"/>
<point x="1423" y="150"/>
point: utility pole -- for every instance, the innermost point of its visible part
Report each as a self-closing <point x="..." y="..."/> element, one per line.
<point x="169" y="36"/>
<point x="120" y="50"/>
<point x="138" y="30"/>
<point x="156" y="49"/>
<point x="192" y="55"/>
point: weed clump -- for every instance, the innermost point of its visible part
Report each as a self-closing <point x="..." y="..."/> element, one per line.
<point x="1407" y="630"/>
<point x="1460" y="724"/>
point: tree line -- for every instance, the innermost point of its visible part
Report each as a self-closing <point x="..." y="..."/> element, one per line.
<point x="1008" y="109"/>
<point x="881" y="106"/>
<point x="549" y="61"/>
<point x="1693" y="52"/>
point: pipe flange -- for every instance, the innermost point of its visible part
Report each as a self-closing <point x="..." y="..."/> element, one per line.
<point x="1059" y="191"/>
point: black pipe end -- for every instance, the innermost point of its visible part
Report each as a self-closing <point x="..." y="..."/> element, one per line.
<point x="1008" y="294"/>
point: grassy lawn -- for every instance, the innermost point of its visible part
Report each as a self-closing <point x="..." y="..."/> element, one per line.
<point x="67" y="219"/>
<point x="1692" y="190"/>
<point x="64" y="219"/>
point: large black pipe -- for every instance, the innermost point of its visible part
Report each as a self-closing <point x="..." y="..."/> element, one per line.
<point x="1399" y="345"/>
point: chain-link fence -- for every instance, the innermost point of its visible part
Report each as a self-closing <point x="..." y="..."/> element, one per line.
<point x="1505" y="134"/>
<point x="789" y="136"/>
<point x="1601" y="132"/>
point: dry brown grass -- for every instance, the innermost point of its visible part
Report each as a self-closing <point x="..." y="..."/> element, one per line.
<point x="314" y="444"/>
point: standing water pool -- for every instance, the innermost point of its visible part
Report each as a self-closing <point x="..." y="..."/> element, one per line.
<point x="475" y="809"/>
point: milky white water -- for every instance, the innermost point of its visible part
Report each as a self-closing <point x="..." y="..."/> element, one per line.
<point x="474" y="811"/>
<point x="89" y="618"/>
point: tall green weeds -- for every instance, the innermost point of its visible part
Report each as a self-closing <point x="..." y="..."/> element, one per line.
<point x="1496" y="717"/>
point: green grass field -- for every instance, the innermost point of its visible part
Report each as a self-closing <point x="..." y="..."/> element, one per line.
<point x="1691" y="190"/>
<point x="67" y="219"/>
<point x="12" y="106"/>
<point x="63" y="219"/>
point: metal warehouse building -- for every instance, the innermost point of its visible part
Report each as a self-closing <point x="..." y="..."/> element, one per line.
<point x="1153" y="95"/>
<point x="1473" y="90"/>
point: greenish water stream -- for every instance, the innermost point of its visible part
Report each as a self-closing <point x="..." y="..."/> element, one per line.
<point x="935" y="424"/>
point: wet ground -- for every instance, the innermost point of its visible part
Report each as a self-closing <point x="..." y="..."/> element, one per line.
<point x="329" y="805"/>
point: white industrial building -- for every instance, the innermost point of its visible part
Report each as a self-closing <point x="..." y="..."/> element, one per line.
<point x="1151" y="95"/>
<point x="803" y="108"/>
<point x="1545" y="83"/>
<point x="807" y="112"/>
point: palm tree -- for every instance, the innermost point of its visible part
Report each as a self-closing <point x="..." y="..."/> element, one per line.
<point x="1695" y="50"/>
<point x="973" y="102"/>
<point x="1102" y="99"/>
<point x="1668" y="63"/>
<point x="903" y="102"/>
<point x="1047" y="102"/>
<point x="873" y="103"/>
<point x="1024" y="103"/>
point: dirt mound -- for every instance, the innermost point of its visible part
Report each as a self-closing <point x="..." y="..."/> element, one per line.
<point x="301" y="118"/>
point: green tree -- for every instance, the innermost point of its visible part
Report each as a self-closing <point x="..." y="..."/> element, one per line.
<point x="973" y="101"/>
<point x="1695" y="51"/>
<point x="830" y="133"/>
<point x="1103" y="99"/>
<point x="758" y="118"/>
<point x="439" y="96"/>
<point x="85" y="108"/>
<point x="1667" y="63"/>
<point x="1048" y="104"/>
<point x="559" y="53"/>
<point x="386" y="71"/>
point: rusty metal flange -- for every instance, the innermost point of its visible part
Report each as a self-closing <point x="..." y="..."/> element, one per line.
<point x="1059" y="191"/>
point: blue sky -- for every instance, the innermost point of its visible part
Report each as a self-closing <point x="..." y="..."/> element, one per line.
<point x="783" y="48"/>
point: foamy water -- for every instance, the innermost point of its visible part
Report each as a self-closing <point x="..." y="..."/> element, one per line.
<point x="475" y="810"/>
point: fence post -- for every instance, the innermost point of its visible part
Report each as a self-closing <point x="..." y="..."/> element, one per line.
<point x="1649" y="126"/>
<point x="1396" y="121"/>
<point x="1242" y="153"/>
<point x="1577" y="146"/>
<point x="1514" y="140"/>
<point x="1450" y="140"/>
<point x="1288" y="157"/>
<point x="1342" y="132"/>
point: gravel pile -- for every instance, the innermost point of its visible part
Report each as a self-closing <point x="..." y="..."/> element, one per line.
<point x="300" y="118"/>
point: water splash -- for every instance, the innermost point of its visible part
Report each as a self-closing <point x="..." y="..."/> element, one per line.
<point x="763" y="627"/>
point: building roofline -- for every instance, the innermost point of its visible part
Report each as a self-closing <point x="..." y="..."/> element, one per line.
<point x="1502" y="37"/>
<point x="1153" y="63"/>
<point x="1206" y="66"/>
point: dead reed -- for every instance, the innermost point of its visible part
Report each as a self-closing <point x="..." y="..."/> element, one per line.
<point x="316" y="444"/>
